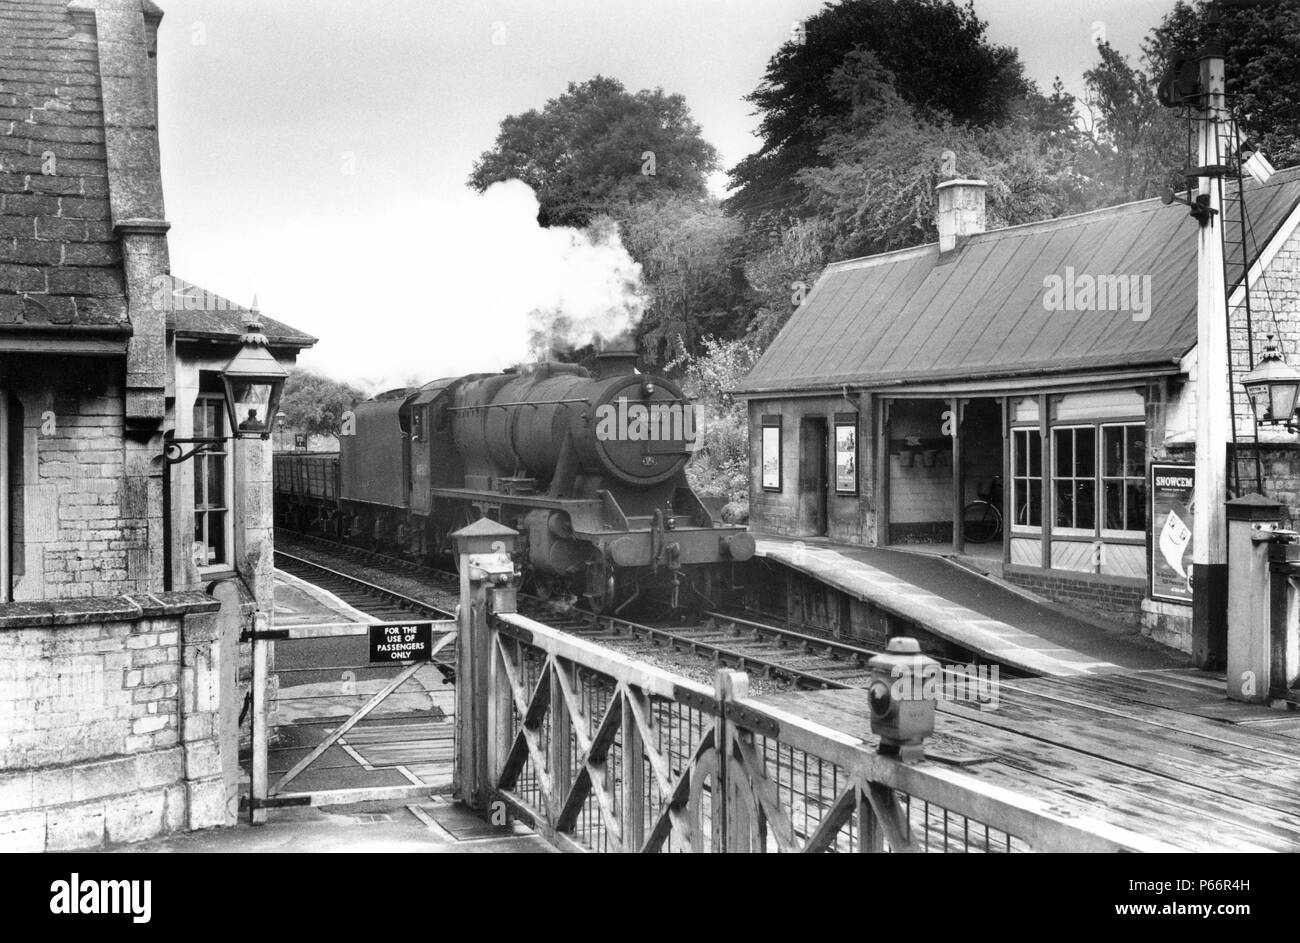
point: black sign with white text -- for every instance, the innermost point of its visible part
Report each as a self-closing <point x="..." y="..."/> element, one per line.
<point x="400" y="641"/>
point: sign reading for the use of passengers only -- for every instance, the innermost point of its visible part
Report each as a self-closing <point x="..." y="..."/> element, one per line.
<point x="400" y="641"/>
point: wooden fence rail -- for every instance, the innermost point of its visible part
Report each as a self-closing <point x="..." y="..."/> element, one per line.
<point x="603" y="753"/>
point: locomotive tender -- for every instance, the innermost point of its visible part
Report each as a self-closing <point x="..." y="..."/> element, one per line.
<point x="590" y="469"/>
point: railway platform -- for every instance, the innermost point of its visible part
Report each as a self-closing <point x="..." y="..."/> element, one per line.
<point x="971" y="611"/>
<point x="298" y="602"/>
<point x="1161" y="753"/>
<point x="434" y="827"/>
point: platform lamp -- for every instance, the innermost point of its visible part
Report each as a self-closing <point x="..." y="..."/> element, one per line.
<point x="1273" y="387"/>
<point x="254" y="381"/>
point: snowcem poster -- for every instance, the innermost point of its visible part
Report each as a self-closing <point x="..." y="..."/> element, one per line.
<point x="1171" y="532"/>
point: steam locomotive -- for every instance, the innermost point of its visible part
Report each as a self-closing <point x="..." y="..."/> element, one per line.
<point x="587" y="466"/>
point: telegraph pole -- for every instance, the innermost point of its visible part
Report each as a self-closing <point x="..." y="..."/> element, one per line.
<point x="1213" y="380"/>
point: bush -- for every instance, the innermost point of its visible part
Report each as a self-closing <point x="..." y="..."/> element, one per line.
<point x="737" y="512"/>
<point x="720" y="469"/>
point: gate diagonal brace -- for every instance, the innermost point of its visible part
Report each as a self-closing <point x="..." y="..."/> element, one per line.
<point x="347" y="725"/>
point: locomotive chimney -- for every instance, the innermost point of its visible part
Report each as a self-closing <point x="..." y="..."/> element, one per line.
<point x="617" y="357"/>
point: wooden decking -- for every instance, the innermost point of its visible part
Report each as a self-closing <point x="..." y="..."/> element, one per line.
<point x="423" y="752"/>
<point x="1162" y="753"/>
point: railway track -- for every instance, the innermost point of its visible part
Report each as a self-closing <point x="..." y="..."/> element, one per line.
<point x="381" y="602"/>
<point x="371" y="598"/>
<point x="768" y="651"/>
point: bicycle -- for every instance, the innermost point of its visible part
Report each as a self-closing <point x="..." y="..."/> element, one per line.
<point x="982" y="519"/>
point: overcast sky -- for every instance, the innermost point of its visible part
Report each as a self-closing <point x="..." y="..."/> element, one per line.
<point x="316" y="151"/>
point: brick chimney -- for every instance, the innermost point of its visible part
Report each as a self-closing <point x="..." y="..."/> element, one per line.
<point x="961" y="212"/>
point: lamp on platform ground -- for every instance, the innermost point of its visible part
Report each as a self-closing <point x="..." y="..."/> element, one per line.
<point x="254" y="380"/>
<point x="1273" y="387"/>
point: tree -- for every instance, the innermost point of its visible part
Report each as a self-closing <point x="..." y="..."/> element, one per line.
<point x="1263" y="75"/>
<point x="875" y="190"/>
<point x="1137" y="146"/>
<point x="315" y="404"/>
<point x="720" y="467"/>
<point x="943" y="67"/>
<point x="598" y="146"/>
<point x="688" y="254"/>
<point x="783" y="274"/>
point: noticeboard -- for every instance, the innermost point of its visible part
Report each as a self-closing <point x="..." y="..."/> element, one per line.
<point x="400" y="641"/>
<point x="1171" y="491"/>
<point x="846" y="453"/>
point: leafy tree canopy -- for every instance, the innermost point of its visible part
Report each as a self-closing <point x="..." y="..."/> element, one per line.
<point x="943" y="68"/>
<point x="875" y="189"/>
<point x="598" y="146"/>
<point x="1136" y="147"/>
<point x="688" y="250"/>
<point x="315" y="404"/>
<point x="1262" y="65"/>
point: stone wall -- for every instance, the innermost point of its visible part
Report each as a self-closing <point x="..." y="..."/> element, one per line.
<point x="849" y="518"/>
<point x="81" y="530"/>
<point x="110" y="720"/>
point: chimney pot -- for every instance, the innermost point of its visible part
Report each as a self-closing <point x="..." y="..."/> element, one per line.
<point x="961" y="211"/>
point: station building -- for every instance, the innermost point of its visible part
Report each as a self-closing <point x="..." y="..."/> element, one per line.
<point x="125" y="580"/>
<point x="1046" y="367"/>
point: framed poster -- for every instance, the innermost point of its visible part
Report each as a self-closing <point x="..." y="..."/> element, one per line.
<point x="846" y="454"/>
<point x="771" y="453"/>
<point x="1171" y="492"/>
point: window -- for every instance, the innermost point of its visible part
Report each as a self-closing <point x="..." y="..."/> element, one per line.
<point x="1123" y="477"/>
<point x="211" y="509"/>
<point x="1027" y="477"/>
<point x="1074" y="478"/>
<point x="771" y="453"/>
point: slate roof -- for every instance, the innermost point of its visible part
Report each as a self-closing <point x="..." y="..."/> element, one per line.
<point x="907" y="316"/>
<point x="197" y="314"/>
<point x="59" y="260"/>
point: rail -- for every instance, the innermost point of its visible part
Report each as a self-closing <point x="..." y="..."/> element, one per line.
<point x="603" y="753"/>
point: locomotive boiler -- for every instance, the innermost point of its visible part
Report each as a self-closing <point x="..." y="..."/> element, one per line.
<point x="588" y="466"/>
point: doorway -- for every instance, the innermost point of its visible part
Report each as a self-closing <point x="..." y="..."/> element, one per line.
<point x="981" y="451"/>
<point x="814" y="443"/>
<point x="918" y="463"/>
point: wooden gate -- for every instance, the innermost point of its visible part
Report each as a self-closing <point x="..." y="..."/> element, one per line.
<point x="351" y="711"/>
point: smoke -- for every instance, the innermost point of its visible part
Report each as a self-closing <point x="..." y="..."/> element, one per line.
<point x="593" y="291"/>
<point x="471" y="285"/>
<point x="558" y="288"/>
